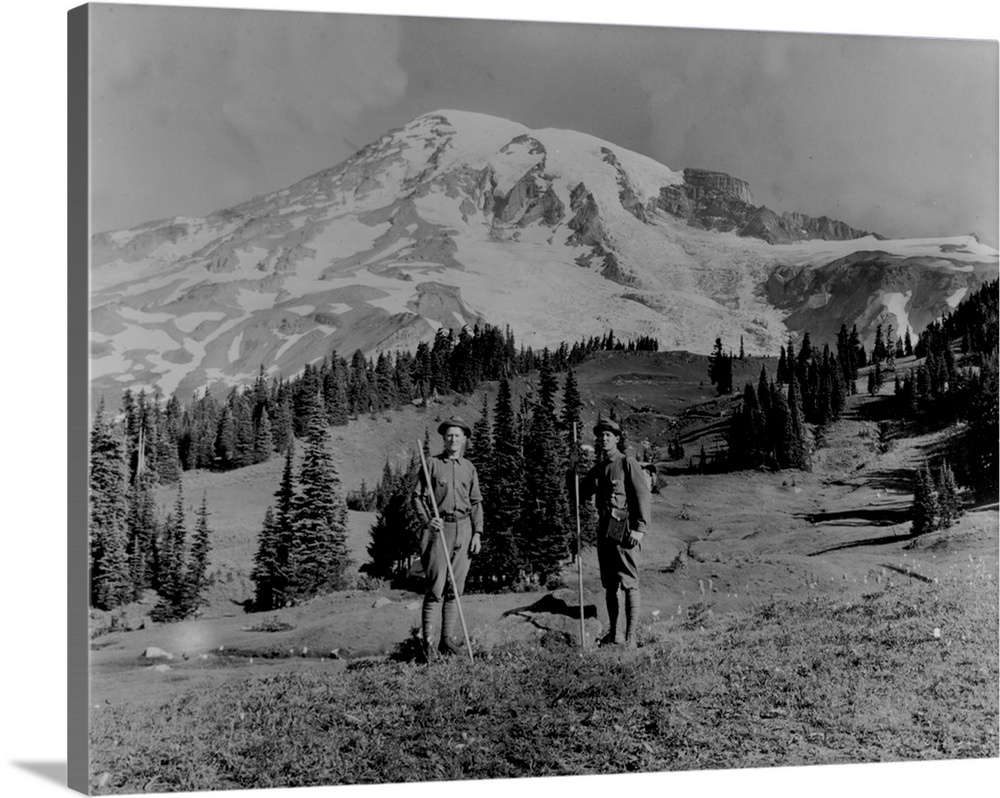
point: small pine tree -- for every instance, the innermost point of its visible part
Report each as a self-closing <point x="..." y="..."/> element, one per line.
<point x="196" y="577"/>
<point x="949" y="501"/>
<point x="925" y="510"/>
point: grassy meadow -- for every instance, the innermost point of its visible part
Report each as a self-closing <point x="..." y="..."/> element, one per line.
<point x="789" y="618"/>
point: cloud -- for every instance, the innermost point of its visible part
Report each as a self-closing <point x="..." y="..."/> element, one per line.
<point x="210" y="105"/>
<point x="894" y="135"/>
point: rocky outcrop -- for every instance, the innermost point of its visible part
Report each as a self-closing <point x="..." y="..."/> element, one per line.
<point x="709" y="200"/>
<point x="769" y="226"/>
<point x="626" y="193"/>
<point x="531" y="199"/>
<point x="104" y="248"/>
<point x="717" y="201"/>
<point x="586" y="224"/>
<point x="702" y="183"/>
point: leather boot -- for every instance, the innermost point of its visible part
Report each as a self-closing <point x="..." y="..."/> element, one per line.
<point x="429" y="619"/>
<point x="632" y="605"/>
<point x="611" y="601"/>
<point x="449" y="614"/>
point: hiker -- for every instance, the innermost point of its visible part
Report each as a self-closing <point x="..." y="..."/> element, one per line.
<point x="622" y="495"/>
<point x="460" y="509"/>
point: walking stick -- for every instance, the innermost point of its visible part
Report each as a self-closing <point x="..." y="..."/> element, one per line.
<point x="444" y="547"/>
<point x="579" y="546"/>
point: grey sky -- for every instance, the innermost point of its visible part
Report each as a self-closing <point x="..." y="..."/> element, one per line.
<point x="199" y="109"/>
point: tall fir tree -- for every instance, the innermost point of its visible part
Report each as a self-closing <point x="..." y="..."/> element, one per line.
<point x="543" y="534"/>
<point x="796" y="451"/>
<point x="500" y="548"/>
<point x="196" y="577"/>
<point x="270" y="574"/>
<point x="318" y="556"/>
<point x="110" y="578"/>
<point x="172" y="603"/>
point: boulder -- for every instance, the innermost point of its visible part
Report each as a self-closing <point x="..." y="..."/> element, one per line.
<point x="157" y="653"/>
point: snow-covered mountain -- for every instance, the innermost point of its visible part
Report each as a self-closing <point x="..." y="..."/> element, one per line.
<point x="459" y="218"/>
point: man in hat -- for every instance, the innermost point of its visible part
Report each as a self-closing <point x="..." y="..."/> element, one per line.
<point x="622" y="496"/>
<point x="460" y="519"/>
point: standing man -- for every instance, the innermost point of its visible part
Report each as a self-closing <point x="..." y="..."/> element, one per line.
<point x="623" y="506"/>
<point x="459" y="502"/>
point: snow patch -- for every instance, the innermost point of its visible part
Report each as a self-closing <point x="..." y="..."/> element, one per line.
<point x="957" y="297"/>
<point x="234" y="348"/>
<point x="189" y="321"/>
<point x="895" y="304"/>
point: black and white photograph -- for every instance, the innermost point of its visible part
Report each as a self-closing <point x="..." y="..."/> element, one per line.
<point x="465" y="401"/>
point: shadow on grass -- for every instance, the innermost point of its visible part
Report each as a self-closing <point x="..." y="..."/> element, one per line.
<point x="908" y="572"/>
<point x="856" y="544"/>
<point x="869" y="516"/>
<point x="880" y="408"/>
<point x="551" y="605"/>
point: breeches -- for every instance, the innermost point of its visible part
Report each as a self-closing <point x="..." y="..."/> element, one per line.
<point x="457" y="536"/>
<point x="619" y="566"/>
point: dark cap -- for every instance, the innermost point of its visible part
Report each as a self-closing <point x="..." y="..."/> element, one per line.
<point x="454" y="421"/>
<point x="609" y="425"/>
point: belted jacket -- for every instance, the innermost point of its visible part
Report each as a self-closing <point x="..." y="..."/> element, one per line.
<point x="616" y="483"/>
<point x="456" y="491"/>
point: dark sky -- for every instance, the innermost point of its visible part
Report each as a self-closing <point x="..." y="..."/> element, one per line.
<point x="199" y="109"/>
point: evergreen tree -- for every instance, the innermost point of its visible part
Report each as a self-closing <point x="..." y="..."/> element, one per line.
<point x="796" y="452"/>
<point x="925" y="508"/>
<point x="196" y="578"/>
<point x="385" y="383"/>
<point x="570" y="417"/>
<point x="876" y="379"/>
<point x="318" y="557"/>
<point x="110" y="578"/>
<point x="335" y="391"/>
<point x="982" y="414"/>
<point x="172" y="576"/>
<point x="143" y="532"/>
<point x="543" y="535"/>
<point x="270" y="574"/>
<point x="878" y="349"/>
<point x="268" y="569"/>
<point x="500" y="551"/>
<point x="360" y="393"/>
<point x="720" y="369"/>
<point x="263" y="440"/>
<point x="782" y="371"/>
<point x="949" y="501"/>
<point x="396" y="532"/>
<point x="571" y="406"/>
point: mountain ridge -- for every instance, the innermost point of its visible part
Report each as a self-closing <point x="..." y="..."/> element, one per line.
<point x="460" y="218"/>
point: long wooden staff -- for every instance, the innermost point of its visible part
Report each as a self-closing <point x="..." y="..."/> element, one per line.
<point x="444" y="546"/>
<point x="579" y="545"/>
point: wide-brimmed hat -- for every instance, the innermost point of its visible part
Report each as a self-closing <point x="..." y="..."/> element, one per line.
<point x="455" y="421"/>
<point x="609" y="425"/>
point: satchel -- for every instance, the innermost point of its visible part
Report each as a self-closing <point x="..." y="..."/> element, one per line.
<point x="617" y="526"/>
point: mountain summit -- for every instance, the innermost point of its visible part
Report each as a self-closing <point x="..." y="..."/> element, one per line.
<point x="460" y="218"/>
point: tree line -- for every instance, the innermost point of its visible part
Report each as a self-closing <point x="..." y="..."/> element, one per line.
<point x="521" y="450"/>
<point x="255" y="422"/>
<point x="130" y="549"/>
<point x="152" y="443"/>
<point x="957" y="382"/>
